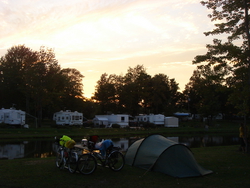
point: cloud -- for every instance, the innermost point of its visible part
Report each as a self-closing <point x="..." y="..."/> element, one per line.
<point x="94" y="25"/>
<point x="98" y="35"/>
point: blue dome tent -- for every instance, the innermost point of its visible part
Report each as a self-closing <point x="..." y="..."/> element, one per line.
<point x="160" y="154"/>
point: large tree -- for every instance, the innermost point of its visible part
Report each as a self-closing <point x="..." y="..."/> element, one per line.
<point x="163" y="94"/>
<point x="206" y="92"/>
<point x="14" y="72"/>
<point x="105" y="93"/>
<point x="132" y="94"/>
<point x="34" y="81"/>
<point x="232" y="20"/>
<point x="71" y="93"/>
<point x="45" y="68"/>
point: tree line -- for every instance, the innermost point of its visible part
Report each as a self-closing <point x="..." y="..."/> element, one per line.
<point x="35" y="82"/>
<point x="136" y="93"/>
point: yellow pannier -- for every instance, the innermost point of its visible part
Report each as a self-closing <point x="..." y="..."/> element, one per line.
<point x="70" y="144"/>
<point x="67" y="142"/>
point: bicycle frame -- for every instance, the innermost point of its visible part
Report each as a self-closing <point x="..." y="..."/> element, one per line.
<point x="103" y="162"/>
<point x="96" y="155"/>
<point x="68" y="157"/>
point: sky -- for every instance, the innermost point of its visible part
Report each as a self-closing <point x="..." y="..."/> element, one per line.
<point x="109" y="36"/>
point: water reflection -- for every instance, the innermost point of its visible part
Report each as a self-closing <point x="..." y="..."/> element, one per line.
<point x="11" y="151"/>
<point x="26" y="149"/>
<point x="208" y="141"/>
<point x="46" y="148"/>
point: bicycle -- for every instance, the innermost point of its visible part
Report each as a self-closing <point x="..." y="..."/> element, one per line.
<point x="66" y="158"/>
<point x="87" y="163"/>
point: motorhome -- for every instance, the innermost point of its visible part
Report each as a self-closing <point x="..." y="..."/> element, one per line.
<point x="68" y="118"/>
<point x="12" y="116"/>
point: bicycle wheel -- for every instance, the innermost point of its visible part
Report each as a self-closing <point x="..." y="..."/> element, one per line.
<point x="59" y="158"/>
<point x="116" y="161"/>
<point x="86" y="164"/>
<point x="72" y="162"/>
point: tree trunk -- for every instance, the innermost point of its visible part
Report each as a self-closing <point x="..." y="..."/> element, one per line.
<point x="248" y="60"/>
<point x="247" y="26"/>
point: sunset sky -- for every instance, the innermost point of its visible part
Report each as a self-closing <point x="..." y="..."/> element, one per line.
<point x="109" y="36"/>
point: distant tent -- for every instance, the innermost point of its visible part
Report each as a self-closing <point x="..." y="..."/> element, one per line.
<point x="160" y="154"/>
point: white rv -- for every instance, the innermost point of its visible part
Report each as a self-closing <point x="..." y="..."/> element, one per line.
<point x="12" y="116"/>
<point x="68" y="118"/>
<point x="107" y="120"/>
<point x="157" y="119"/>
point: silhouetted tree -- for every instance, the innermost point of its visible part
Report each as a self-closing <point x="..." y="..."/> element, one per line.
<point x="35" y="82"/>
<point x="234" y="54"/>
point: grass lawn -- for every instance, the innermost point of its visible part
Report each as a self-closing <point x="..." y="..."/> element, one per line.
<point x="186" y="128"/>
<point x="231" y="169"/>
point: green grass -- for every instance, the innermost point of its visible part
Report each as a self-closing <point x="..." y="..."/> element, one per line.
<point x="185" y="128"/>
<point x="231" y="169"/>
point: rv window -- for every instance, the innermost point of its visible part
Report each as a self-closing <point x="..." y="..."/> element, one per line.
<point x="122" y="118"/>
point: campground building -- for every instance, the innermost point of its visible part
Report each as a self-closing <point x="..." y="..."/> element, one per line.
<point x="171" y="122"/>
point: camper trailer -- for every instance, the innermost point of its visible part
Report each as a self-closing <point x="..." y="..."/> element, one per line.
<point x="12" y="116"/>
<point x="108" y="120"/>
<point x="68" y="118"/>
<point x="157" y="119"/>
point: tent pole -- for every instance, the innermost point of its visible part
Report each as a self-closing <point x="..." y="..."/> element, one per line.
<point x="148" y="170"/>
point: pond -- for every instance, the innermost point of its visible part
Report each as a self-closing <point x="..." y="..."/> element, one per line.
<point x="46" y="148"/>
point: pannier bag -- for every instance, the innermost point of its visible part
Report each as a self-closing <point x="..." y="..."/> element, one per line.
<point x="70" y="144"/>
<point x="92" y="141"/>
<point x="67" y="142"/>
